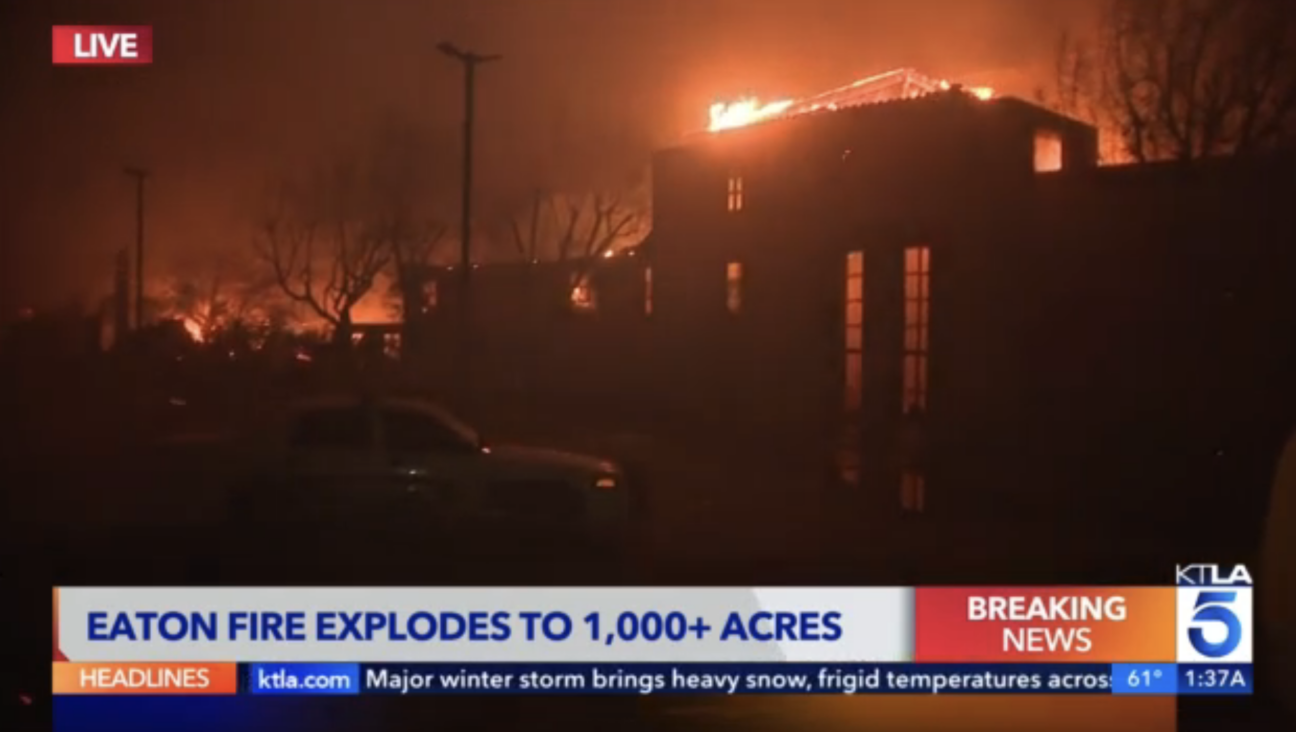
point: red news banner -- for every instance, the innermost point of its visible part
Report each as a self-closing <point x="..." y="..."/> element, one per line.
<point x="99" y="45"/>
<point x="1048" y="624"/>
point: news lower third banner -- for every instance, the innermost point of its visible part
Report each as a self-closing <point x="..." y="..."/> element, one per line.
<point x="654" y="640"/>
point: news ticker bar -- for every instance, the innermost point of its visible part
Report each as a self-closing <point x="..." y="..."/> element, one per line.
<point x="638" y="679"/>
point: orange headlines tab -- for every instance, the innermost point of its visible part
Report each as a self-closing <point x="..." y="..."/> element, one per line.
<point x="145" y="678"/>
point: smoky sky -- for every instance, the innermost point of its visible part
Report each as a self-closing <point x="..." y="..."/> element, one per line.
<point x="241" y="90"/>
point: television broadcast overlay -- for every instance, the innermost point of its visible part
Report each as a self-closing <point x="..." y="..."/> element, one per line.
<point x="1194" y="638"/>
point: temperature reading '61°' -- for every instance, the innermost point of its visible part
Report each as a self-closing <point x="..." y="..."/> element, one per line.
<point x="1145" y="677"/>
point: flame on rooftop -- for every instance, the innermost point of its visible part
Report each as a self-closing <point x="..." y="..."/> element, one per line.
<point x="890" y="86"/>
<point x="739" y="114"/>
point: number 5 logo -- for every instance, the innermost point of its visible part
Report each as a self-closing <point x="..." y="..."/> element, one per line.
<point x="1212" y="607"/>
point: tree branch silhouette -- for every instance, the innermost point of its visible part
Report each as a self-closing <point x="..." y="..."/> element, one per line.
<point x="1185" y="79"/>
<point x="323" y="252"/>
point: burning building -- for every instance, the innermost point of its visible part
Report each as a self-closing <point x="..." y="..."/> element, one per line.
<point x="890" y="86"/>
<point x="805" y="244"/>
<point x="939" y="291"/>
<point x="945" y="284"/>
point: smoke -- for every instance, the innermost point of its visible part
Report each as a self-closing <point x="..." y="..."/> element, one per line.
<point x="241" y="89"/>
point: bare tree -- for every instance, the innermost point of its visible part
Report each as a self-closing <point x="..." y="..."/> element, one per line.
<point x="321" y="248"/>
<point x="413" y="246"/>
<point x="224" y="294"/>
<point x="529" y="225"/>
<point x="1183" y="79"/>
<point x="562" y="227"/>
<point x="596" y="222"/>
<point x="579" y="229"/>
<point x="402" y="212"/>
<point x="202" y="304"/>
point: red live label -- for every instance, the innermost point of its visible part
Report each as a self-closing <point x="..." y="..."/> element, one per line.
<point x="103" y="44"/>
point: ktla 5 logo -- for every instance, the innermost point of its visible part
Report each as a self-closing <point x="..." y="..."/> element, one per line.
<point x="1214" y="610"/>
<point x="103" y="45"/>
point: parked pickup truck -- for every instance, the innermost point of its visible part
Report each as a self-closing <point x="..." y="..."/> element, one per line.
<point x="395" y="467"/>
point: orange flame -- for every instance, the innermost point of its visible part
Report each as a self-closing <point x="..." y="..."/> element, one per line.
<point x="898" y="84"/>
<point x="741" y="113"/>
<point x="194" y="330"/>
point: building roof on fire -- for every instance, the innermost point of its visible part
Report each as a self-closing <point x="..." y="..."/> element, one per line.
<point x="896" y="90"/>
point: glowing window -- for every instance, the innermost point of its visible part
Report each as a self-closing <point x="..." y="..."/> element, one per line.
<point x="917" y="324"/>
<point x="1048" y="151"/>
<point x="917" y="337"/>
<point x="391" y="345"/>
<point x="582" y="294"/>
<point x="648" y="291"/>
<point x="854" y="385"/>
<point x="734" y="276"/>
<point x="429" y="296"/>
<point x="913" y="490"/>
<point x="735" y="201"/>
<point x="849" y="459"/>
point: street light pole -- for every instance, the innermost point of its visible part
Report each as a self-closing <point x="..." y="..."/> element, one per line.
<point x="470" y="63"/>
<point x="140" y="175"/>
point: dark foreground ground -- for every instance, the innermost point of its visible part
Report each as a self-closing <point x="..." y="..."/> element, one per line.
<point x="87" y="516"/>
